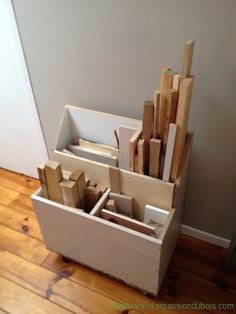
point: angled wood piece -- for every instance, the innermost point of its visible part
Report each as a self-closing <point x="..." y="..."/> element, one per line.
<point x="124" y="203"/>
<point x="187" y="61"/>
<point x="114" y="179"/>
<point x="42" y="179"/>
<point x="128" y="222"/>
<point x="111" y="205"/>
<point x="176" y="82"/>
<point x="165" y="85"/>
<point x="169" y="152"/>
<point x="96" y="211"/>
<point x="78" y="176"/>
<point x="93" y="155"/>
<point x="170" y="114"/>
<point x="155" y="149"/>
<point x="184" y="103"/>
<point x="157" y="96"/>
<point x="125" y="134"/>
<point x="133" y="148"/>
<point x="105" y="149"/>
<point x="53" y="173"/>
<point x="69" y="193"/>
<point x="142" y="156"/>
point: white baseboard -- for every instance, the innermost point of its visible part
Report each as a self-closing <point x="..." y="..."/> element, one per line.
<point x="202" y="235"/>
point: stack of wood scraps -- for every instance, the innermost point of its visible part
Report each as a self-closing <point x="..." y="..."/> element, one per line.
<point x="157" y="149"/>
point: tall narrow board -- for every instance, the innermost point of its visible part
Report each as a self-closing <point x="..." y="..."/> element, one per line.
<point x="187" y="61"/>
<point x="69" y="193"/>
<point x="185" y="97"/>
<point x="165" y="85"/>
<point x="157" y="96"/>
<point x="42" y="179"/>
<point x="169" y="152"/>
<point x="133" y="149"/>
<point x="125" y="134"/>
<point x="170" y="113"/>
<point x="142" y="156"/>
<point x="155" y="149"/>
<point x="53" y="173"/>
<point x="78" y="176"/>
<point x="147" y="131"/>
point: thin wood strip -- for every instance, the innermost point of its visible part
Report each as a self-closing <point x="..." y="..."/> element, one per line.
<point x="157" y="96"/>
<point x="187" y="61"/>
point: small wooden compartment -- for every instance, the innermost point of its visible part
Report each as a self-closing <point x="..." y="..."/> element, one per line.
<point x="135" y="258"/>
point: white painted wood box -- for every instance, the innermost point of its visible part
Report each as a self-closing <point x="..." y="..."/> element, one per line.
<point x="135" y="258"/>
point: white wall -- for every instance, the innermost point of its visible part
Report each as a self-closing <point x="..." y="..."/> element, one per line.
<point x="21" y="141"/>
<point x="107" y="55"/>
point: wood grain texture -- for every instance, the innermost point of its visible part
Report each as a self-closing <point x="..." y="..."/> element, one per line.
<point x="142" y="156"/>
<point x="155" y="149"/>
<point x="187" y="60"/>
<point x="133" y="149"/>
<point x="42" y="179"/>
<point x="185" y="96"/>
<point x="157" y="97"/>
<point x="125" y="134"/>
<point x="53" y="173"/>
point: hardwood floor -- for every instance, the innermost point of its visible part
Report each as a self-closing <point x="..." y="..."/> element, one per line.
<point x="35" y="280"/>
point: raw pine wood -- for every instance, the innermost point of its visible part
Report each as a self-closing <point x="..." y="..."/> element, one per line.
<point x="114" y="178"/>
<point x="78" y="176"/>
<point x="7" y="195"/>
<point x="133" y="149"/>
<point x="53" y="173"/>
<point x="100" y="204"/>
<point x="170" y="114"/>
<point x="142" y="156"/>
<point x="165" y="85"/>
<point x="69" y="193"/>
<point x="187" y="61"/>
<point x="176" y="82"/>
<point x="92" y="195"/>
<point x="99" y="147"/>
<point x="125" y="134"/>
<point x="185" y="96"/>
<point x="128" y="222"/>
<point x="111" y="205"/>
<point x="42" y="179"/>
<point x="157" y="96"/>
<point x="155" y="149"/>
<point x="194" y="275"/>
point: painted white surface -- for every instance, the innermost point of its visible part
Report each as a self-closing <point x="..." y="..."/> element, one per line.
<point x="21" y="140"/>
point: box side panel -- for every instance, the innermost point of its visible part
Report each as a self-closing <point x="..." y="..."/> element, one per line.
<point x="146" y="190"/>
<point x="170" y="233"/>
<point x="99" y="245"/>
<point x="97" y="126"/>
<point x="64" y="134"/>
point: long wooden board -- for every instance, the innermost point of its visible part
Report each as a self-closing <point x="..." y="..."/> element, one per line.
<point x="125" y="134"/>
<point x="184" y="103"/>
<point x="169" y="152"/>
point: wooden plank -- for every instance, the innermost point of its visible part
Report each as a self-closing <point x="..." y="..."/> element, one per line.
<point x="187" y="61"/>
<point x="165" y="85"/>
<point x="111" y="205"/>
<point x="57" y="288"/>
<point x="92" y="196"/>
<point x="142" y="164"/>
<point x="109" y="150"/>
<point x="184" y="103"/>
<point x="54" y="175"/>
<point x="69" y="193"/>
<point x="176" y="82"/>
<point x="125" y="134"/>
<point x="114" y="179"/>
<point x="78" y="176"/>
<point x="20" y="220"/>
<point x="124" y="203"/>
<point x="87" y="228"/>
<point x="148" y="118"/>
<point x="18" y="182"/>
<point x="170" y="114"/>
<point x="14" y="299"/>
<point x="93" y="155"/>
<point x="169" y="152"/>
<point x="133" y="148"/>
<point x="157" y="96"/>
<point x="128" y="222"/>
<point x="22" y="245"/>
<point x="136" y="163"/>
<point x="7" y="195"/>
<point x="100" y="204"/>
<point x="155" y="149"/>
<point x="42" y="179"/>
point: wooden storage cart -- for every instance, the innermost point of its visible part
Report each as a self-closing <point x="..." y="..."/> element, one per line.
<point x="135" y="258"/>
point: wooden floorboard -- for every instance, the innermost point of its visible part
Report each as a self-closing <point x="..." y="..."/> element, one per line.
<point x="34" y="280"/>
